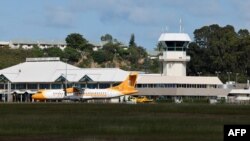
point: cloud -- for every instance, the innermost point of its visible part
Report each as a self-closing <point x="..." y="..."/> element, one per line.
<point x="146" y="12"/>
<point x="135" y="12"/>
<point x="147" y="17"/>
<point x="204" y="8"/>
<point x="59" y="17"/>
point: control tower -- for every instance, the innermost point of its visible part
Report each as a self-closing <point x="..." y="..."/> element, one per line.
<point x="174" y="56"/>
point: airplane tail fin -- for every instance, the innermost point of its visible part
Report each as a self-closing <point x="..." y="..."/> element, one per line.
<point x="128" y="85"/>
<point x="72" y="90"/>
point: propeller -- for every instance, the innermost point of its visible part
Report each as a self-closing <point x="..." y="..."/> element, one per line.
<point x="65" y="89"/>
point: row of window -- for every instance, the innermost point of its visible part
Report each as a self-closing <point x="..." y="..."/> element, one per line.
<point x="41" y="45"/>
<point x="94" y="86"/>
<point x="176" y="86"/>
<point x="176" y="43"/>
<point x="54" y="86"/>
<point x="104" y="85"/>
<point x="96" y="93"/>
<point x="176" y="49"/>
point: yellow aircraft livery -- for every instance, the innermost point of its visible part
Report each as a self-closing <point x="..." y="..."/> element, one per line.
<point x="127" y="87"/>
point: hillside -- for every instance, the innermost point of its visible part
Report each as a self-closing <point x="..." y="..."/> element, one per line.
<point x="80" y="53"/>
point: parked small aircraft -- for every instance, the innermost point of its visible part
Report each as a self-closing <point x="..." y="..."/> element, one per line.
<point x="143" y="99"/>
<point x="127" y="87"/>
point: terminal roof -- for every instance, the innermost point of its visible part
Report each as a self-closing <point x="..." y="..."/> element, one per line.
<point x="51" y="71"/>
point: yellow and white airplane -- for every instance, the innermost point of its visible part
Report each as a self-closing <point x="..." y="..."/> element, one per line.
<point x="127" y="87"/>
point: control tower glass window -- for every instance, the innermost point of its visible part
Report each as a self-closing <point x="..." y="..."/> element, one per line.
<point x="176" y="45"/>
<point x="180" y="44"/>
<point x="170" y="44"/>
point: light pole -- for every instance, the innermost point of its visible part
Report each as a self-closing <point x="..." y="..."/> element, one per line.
<point x="217" y="73"/>
<point x="228" y="73"/>
<point x="236" y="74"/>
<point x="66" y="71"/>
<point x="199" y="73"/>
<point x="4" y="91"/>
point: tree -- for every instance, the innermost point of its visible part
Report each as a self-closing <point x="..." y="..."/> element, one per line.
<point x="111" y="48"/>
<point x="101" y="56"/>
<point x="37" y="52"/>
<point x="54" y="52"/>
<point x="154" y="66"/>
<point x="243" y="33"/>
<point x="107" y="37"/>
<point x="88" y="48"/>
<point x="196" y="63"/>
<point x="133" y="55"/>
<point x="159" y="47"/>
<point x="142" y="52"/>
<point x="76" y="41"/>
<point x="132" y="41"/>
<point x="71" y="54"/>
<point x="219" y="49"/>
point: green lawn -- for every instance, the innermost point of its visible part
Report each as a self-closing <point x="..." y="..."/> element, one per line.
<point x="107" y="122"/>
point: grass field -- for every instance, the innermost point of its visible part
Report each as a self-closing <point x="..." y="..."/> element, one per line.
<point x="107" y="122"/>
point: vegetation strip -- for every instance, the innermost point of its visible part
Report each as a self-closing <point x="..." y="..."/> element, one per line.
<point x="118" y="121"/>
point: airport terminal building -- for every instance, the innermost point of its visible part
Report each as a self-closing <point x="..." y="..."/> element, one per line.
<point x="19" y="82"/>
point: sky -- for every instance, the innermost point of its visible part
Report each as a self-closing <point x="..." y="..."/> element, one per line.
<point x="146" y="19"/>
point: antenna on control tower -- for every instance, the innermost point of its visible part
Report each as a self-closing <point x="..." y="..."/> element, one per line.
<point x="166" y="28"/>
<point x="180" y="25"/>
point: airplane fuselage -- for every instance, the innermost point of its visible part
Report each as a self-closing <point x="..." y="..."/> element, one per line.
<point x="59" y="94"/>
<point x="100" y="93"/>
